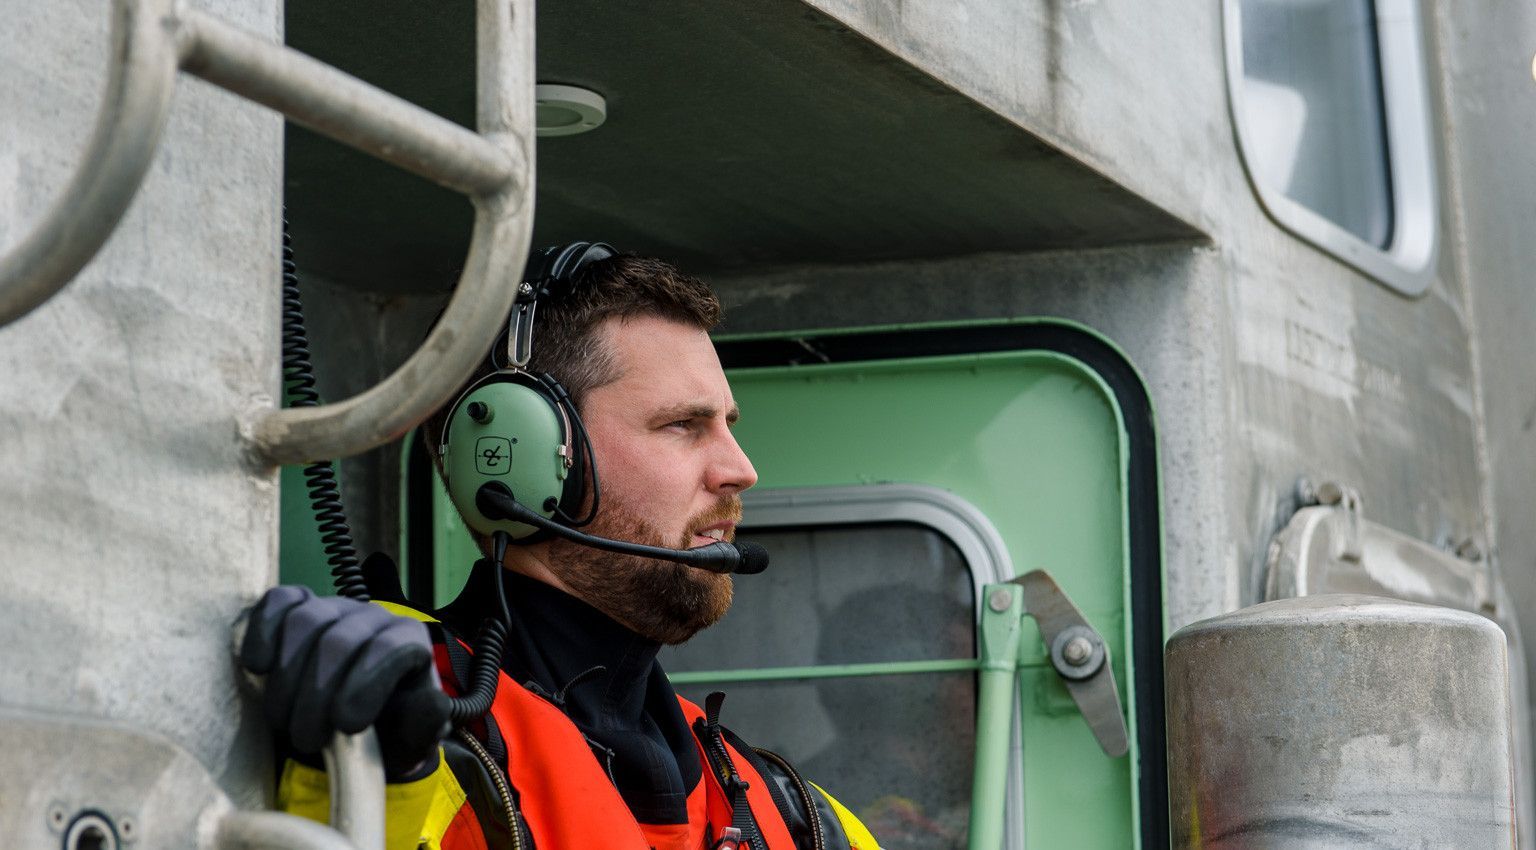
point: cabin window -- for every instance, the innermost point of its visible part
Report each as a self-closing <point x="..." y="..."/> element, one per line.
<point x="1312" y="95"/>
<point x="1328" y="98"/>
<point x="853" y="657"/>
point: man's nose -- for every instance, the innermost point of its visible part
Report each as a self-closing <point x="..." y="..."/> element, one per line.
<point x="732" y="471"/>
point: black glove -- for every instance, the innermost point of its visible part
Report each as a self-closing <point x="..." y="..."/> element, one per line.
<point x="337" y="664"/>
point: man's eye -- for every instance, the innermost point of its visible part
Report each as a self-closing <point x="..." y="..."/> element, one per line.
<point x="683" y="424"/>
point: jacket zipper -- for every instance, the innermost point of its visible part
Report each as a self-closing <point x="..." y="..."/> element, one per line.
<point x="720" y="758"/>
<point x="811" y="813"/>
<point x="503" y="790"/>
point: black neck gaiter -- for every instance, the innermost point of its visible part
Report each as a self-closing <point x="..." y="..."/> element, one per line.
<point x="604" y="677"/>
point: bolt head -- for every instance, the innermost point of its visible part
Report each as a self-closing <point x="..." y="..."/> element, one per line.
<point x="1306" y="491"/>
<point x="1000" y="600"/>
<point x="1077" y="651"/>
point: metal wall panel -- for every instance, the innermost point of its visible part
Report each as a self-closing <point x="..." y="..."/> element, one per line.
<point x="136" y="528"/>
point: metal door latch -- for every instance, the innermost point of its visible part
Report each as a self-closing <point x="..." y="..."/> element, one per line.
<point x="1077" y="652"/>
<point x="1080" y="656"/>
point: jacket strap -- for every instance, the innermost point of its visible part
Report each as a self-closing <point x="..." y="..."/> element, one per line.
<point x="743" y="831"/>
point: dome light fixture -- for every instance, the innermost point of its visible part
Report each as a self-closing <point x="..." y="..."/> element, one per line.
<point x="568" y="110"/>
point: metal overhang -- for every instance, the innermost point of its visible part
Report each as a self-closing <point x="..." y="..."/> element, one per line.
<point x="738" y="135"/>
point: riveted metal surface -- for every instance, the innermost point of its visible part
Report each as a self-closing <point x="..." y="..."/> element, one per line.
<point x="1340" y="721"/>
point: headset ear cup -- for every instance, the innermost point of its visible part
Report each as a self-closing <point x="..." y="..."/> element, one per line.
<point x="507" y="428"/>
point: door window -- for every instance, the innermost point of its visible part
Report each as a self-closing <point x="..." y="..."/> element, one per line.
<point x="883" y="618"/>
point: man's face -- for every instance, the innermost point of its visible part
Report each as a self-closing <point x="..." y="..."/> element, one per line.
<point x="671" y="475"/>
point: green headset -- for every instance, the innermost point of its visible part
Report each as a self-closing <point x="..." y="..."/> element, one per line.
<point x="521" y="429"/>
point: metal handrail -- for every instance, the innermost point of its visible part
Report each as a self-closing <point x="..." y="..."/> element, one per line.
<point x="345" y="108"/>
<point x="122" y="145"/>
<point x="153" y="39"/>
<point x="355" y="771"/>
<point x="355" y="767"/>
<point x="244" y="830"/>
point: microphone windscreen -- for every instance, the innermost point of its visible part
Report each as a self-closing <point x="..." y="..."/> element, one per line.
<point x="754" y="559"/>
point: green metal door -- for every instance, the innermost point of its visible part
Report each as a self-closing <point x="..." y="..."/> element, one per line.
<point x="1024" y="429"/>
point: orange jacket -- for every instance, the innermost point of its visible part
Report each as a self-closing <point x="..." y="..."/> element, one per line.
<point x="526" y="777"/>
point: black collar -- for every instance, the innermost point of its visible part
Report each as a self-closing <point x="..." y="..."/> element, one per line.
<point x="604" y="677"/>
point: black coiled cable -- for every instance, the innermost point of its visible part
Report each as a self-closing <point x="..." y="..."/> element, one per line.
<point x="320" y="477"/>
<point x="482" y="685"/>
<point x="336" y="534"/>
<point x="493" y="637"/>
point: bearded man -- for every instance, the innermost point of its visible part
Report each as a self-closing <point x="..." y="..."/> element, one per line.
<point x="586" y="743"/>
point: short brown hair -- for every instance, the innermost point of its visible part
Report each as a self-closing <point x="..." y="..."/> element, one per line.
<point x="565" y="339"/>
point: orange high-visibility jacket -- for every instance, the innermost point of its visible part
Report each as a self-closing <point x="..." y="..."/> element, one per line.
<point x="526" y="777"/>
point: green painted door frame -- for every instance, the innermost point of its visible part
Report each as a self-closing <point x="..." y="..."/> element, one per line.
<point x="1046" y="428"/>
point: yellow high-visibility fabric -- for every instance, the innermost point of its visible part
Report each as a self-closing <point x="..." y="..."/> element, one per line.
<point x="402" y="611"/>
<point x="858" y="835"/>
<point x="416" y="814"/>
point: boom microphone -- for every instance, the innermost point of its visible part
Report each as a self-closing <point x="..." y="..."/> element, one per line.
<point x="495" y="501"/>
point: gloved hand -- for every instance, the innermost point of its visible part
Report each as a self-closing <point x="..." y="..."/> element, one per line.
<point x="334" y="663"/>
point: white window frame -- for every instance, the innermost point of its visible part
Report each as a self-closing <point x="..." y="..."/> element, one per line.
<point x="1407" y="264"/>
<point x="959" y="521"/>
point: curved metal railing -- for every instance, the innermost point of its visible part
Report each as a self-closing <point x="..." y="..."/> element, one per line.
<point x="355" y="769"/>
<point x="122" y="145"/>
<point x="154" y="39"/>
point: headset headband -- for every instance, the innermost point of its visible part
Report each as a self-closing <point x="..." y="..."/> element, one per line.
<point x="550" y="274"/>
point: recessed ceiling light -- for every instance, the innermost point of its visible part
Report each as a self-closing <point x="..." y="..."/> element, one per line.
<point x="568" y="110"/>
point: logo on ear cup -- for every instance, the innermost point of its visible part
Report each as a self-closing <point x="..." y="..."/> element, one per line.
<point x="510" y="429"/>
<point x="493" y="455"/>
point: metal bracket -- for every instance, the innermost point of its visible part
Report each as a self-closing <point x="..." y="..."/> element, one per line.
<point x="152" y="40"/>
<point x="1078" y="654"/>
<point x="98" y="783"/>
<point x="1348" y="546"/>
<point x="1347" y="499"/>
<point x="520" y="340"/>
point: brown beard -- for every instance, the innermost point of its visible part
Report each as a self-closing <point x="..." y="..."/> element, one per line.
<point x="660" y="600"/>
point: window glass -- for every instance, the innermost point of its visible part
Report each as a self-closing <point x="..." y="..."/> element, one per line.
<point x="896" y="749"/>
<point x="842" y="595"/>
<point x="1311" y="101"/>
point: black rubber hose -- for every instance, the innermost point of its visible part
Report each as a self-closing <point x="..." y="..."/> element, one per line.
<point x="320" y="477"/>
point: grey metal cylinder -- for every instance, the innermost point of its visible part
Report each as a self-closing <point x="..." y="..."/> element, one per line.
<point x="1339" y="721"/>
